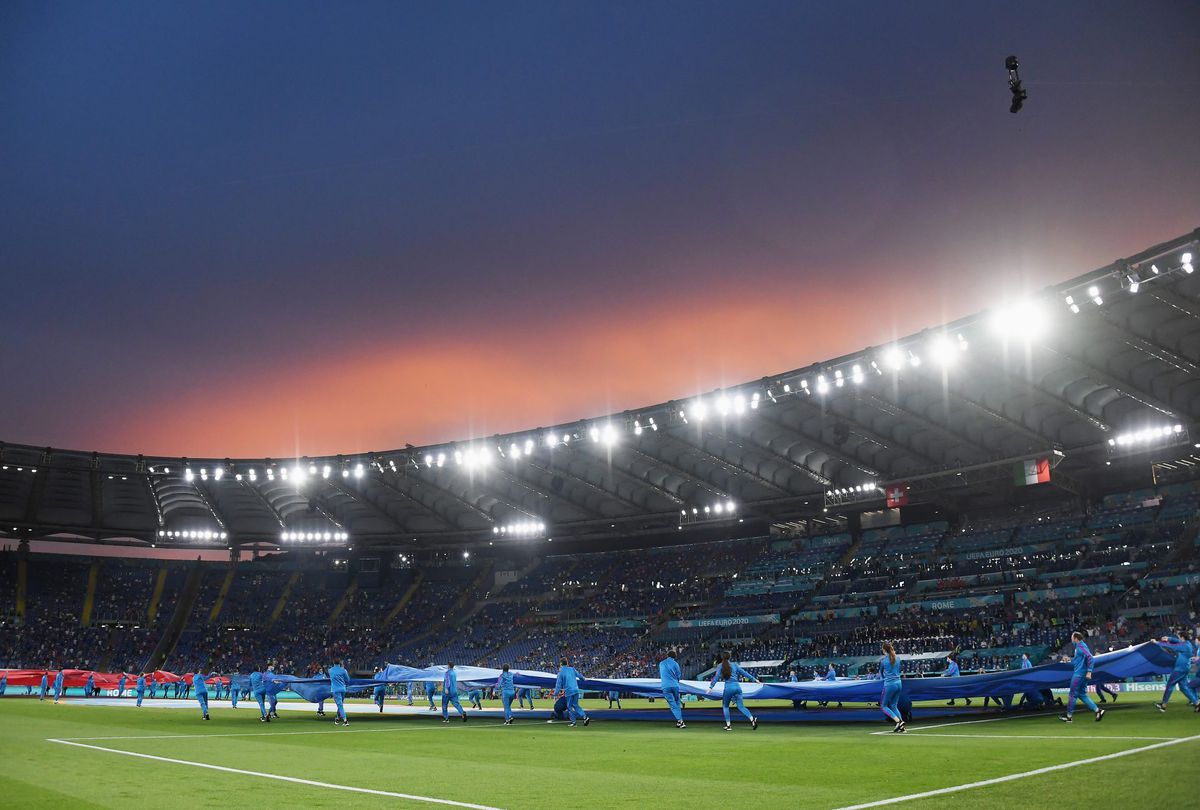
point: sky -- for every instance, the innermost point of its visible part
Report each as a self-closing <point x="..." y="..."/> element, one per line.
<point x="277" y="229"/>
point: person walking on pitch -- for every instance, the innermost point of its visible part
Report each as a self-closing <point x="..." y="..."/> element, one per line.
<point x="669" y="674"/>
<point x="567" y="685"/>
<point x="1083" y="663"/>
<point x="1185" y="658"/>
<point x="731" y="690"/>
<point x="889" y="699"/>
<point x="201" y="693"/>
<point x="450" y="694"/>
<point x="504" y="685"/>
<point x="339" y="681"/>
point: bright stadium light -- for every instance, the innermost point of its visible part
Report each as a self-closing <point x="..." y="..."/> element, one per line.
<point x="838" y="379"/>
<point x="942" y="351"/>
<point x="358" y="470"/>
<point x="723" y="405"/>
<point x="1094" y="294"/>
<point x="822" y="384"/>
<point x="441" y="459"/>
<point x="1023" y="322"/>
<point x="428" y="459"/>
<point x="893" y="358"/>
<point x="326" y="470"/>
<point x="856" y="374"/>
<point x="698" y="410"/>
<point x="219" y="473"/>
<point x="188" y="475"/>
<point x="1072" y="305"/>
<point x="1187" y="263"/>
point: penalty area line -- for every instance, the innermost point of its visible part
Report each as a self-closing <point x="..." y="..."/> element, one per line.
<point x="279" y="778"/>
<point x="1023" y="775"/>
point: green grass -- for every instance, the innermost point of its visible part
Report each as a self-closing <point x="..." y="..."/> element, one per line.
<point x="609" y="764"/>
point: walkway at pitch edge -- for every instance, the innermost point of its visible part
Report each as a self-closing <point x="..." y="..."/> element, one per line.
<point x="705" y="713"/>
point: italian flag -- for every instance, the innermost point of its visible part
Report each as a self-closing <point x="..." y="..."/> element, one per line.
<point x="1031" y="471"/>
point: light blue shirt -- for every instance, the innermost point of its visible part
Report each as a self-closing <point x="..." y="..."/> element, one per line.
<point x="889" y="671"/>
<point x="1082" y="661"/>
<point x="734" y="672"/>
<point x="505" y="682"/>
<point x="669" y="673"/>
<point x="567" y="681"/>
<point x="339" y="679"/>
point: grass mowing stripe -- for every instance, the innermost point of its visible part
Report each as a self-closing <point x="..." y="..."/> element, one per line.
<point x="1014" y="776"/>
<point x="292" y="779"/>
<point x="278" y="733"/>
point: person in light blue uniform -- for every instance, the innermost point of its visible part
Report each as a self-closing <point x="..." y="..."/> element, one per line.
<point x="475" y="698"/>
<point x="272" y="693"/>
<point x="727" y="673"/>
<point x="258" y="689"/>
<point x="121" y="685"/>
<point x="1186" y="656"/>
<point x="408" y="691"/>
<point x="153" y="688"/>
<point x="1025" y="662"/>
<point x="567" y="684"/>
<point x="504" y="685"/>
<point x="525" y="695"/>
<point x="953" y="671"/>
<point x="379" y="692"/>
<point x="893" y="687"/>
<point x="235" y="688"/>
<point x="42" y="689"/>
<point x="450" y="694"/>
<point x="141" y="688"/>
<point x="614" y="697"/>
<point x="669" y="675"/>
<point x="3" y="683"/>
<point x="89" y="688"/>
<point x="1082" y="662"/>
<point x="58" y="686"/>
<point x="430" y="690"/>
<point x="321" y="702"/>
<point x="201" y="693"/>
<point x="339" y="682"/>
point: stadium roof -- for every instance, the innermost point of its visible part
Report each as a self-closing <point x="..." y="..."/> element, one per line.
<point x="1099" y="375"/>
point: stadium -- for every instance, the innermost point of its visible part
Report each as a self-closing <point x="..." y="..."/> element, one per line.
<point x="961" y="565"/>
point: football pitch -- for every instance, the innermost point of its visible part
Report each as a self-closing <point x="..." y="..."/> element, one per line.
<point x="80" y="756"/>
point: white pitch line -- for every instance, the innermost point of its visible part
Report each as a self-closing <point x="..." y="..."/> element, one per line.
<point x="1023" y="775"/>
<point x="279" y="733"/>
<point x="987" y="720"/>
<point x="292" y="779"/>
<point x="1022" y="736"/>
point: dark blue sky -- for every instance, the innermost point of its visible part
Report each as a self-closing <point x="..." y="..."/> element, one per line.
<point x="264" y="228"/>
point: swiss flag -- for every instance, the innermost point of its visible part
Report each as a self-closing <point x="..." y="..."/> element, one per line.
<point x="897" y="495"/>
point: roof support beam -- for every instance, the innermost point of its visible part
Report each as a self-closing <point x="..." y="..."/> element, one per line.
<point x="732" y="466"/>
<point x="519" y="480"/>
<point x="447" y="519"/>
<point x="1130" y="338"/>
<point x="553" y="469"/>
<point x="1174" y="299"/>
<point x="363" y="499"/>
<point x="471" y="483"/>
<point x="700" y="481"/>
<point x="645" y="482"/>
<point x="1120" y="386"/>
<point x="895" y="409"/>
<point x="950" y="386"/>
<point x="868" y="434"/>
<point x="775" y="454"/>
<point x="802" y="437"/>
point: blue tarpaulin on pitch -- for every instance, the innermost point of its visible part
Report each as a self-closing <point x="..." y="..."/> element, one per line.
<point x="1143" y="660"/>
